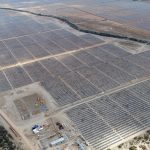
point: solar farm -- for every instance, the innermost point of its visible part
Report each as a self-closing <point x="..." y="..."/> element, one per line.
<point x="102" y="87"/>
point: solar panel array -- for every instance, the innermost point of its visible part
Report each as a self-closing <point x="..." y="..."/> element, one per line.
<point x="85" y="72"/>
<point x="74" y="67"/>
<point x="114" y="117"/>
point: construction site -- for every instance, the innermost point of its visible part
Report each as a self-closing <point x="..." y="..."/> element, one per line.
<point x="75" y="75"/>
<point x="34" y="115"/>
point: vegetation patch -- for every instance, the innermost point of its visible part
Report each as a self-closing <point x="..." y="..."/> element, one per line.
<point x="141" y="142"/>
<point x="6" y="140"/>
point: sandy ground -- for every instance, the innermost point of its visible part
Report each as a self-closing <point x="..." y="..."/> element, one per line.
<point x="88" y="19"/>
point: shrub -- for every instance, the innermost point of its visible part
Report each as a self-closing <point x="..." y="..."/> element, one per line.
<point x="146" y="137"/>
<point x="148" y="132"/>
<point x="143" y="147"/>
<point x="119" y="146"/>
<point x="133" y="148"/>
<point x="135" y="138"/>
<point x="140" y="138"/>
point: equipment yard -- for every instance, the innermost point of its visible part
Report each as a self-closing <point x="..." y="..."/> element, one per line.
<point x="73" y="77"/>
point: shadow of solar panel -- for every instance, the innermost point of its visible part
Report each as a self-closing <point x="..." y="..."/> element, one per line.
<point x="100" y="80"/>
<point x="86" y="58"/>
<point x="50" y="26"/>
<point x="73" y="38"/>
<point x="18" y="18"/>
<point x="14" y="29"/>
<point x="18" y="50"/>
<point x="12" y="44"/>
<point x="6" y="58"/>
<point x="117" y="51"/>
<point x="145" y="54"/>
<point x="91" y="39"/>
<point x="37" y="71"/>
<point x="4" y="85"/>
<point x="37" y="51"/>
<point x="141" y="61"/>
<point x="70" y="61"/>
<point x="17" y="77"/>
<point x="61" y="42"/>
<point x="145" y="119"/>
<point x="55" y="67"/>
<point x="3" y="48"/>
<point x="48" y="45"/>
<point x="131" y="68"/>
<point x="4" y="34"/>
<point x="27" y="28"/>
<point x="61" y="93"/>
<point x="92" y="127"/>
<point x="36" y="26"/>
<point x="120" y="120"/>
<point x="114" y="73"/>
<point x="142" y="90"/>
<point x="131" y="103"/>
<point x="82" y="86"/>
<point x="26" y="40"/>
<point x="64" y="33"/>
<point x="102" y="55"/>
<point x="78" y="41"/>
